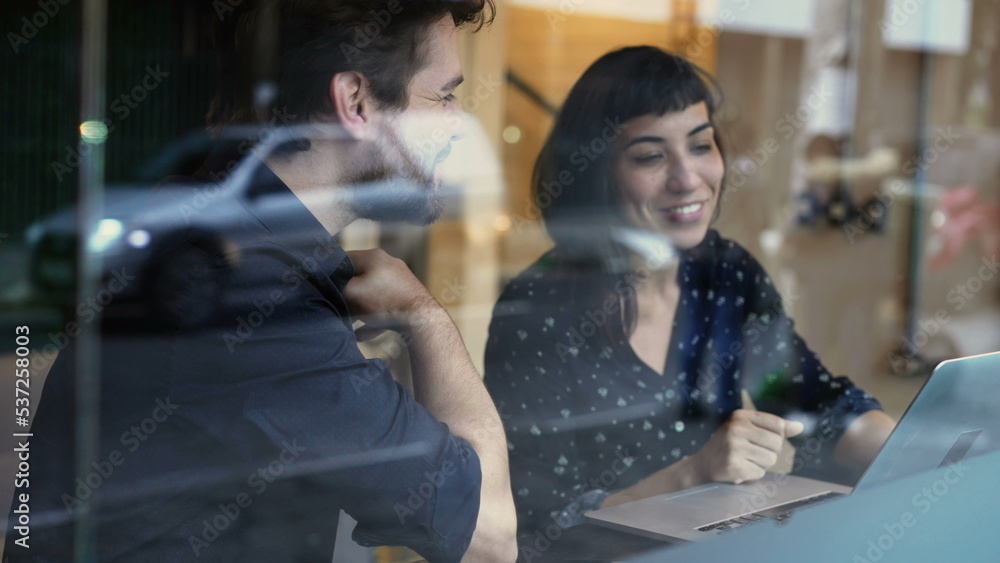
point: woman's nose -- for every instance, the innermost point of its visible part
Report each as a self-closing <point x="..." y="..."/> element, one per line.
<point x="683" y="176"/>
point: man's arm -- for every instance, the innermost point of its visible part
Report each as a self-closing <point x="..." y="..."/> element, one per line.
<point x="446" y="383"/>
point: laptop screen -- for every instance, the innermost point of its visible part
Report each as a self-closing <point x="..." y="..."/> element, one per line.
<point x="955" y="416"/>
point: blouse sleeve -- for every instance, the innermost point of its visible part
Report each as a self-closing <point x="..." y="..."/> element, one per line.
<point x="527" y="374"/>
<point x="785" y="377"/>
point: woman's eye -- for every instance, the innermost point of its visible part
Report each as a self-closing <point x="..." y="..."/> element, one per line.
<point x="701" y="149"/>
<point x="449" y="98"/>
<point x="647" y="159"/>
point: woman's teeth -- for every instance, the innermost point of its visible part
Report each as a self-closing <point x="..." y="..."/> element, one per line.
<point x="684" y="210"/>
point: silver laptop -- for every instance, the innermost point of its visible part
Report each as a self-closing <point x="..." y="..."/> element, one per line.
<point x="955" y="415"/>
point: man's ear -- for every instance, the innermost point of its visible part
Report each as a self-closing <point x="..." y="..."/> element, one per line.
<point x="352" y="102"/>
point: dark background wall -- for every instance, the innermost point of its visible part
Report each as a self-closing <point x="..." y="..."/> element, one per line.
<point x="40" y="95"/>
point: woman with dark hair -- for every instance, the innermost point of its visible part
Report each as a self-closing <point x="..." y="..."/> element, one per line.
<point x="624" y="359"/>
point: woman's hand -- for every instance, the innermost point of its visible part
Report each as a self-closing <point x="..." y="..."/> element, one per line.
<point x="744" y="447"/>
<point x="740" y="451"/>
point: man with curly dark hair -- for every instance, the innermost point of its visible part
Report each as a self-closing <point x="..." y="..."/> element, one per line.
<point x="241" y="437"/>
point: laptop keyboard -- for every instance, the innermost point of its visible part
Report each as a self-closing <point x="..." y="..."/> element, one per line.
<point x="779" y="514"/>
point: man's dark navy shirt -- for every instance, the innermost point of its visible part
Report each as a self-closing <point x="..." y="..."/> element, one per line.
<point x="241" y="439"/>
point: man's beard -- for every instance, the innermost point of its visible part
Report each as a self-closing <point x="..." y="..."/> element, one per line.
<point x="405" y="192"/>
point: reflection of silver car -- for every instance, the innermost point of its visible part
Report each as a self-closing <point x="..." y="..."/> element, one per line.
<point x="125" y="237"/>
<point x="189" y="222"/>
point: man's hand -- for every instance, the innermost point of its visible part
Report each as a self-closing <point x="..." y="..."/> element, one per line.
<point x="384" y="293"/>
<point x="744" y="447"/>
